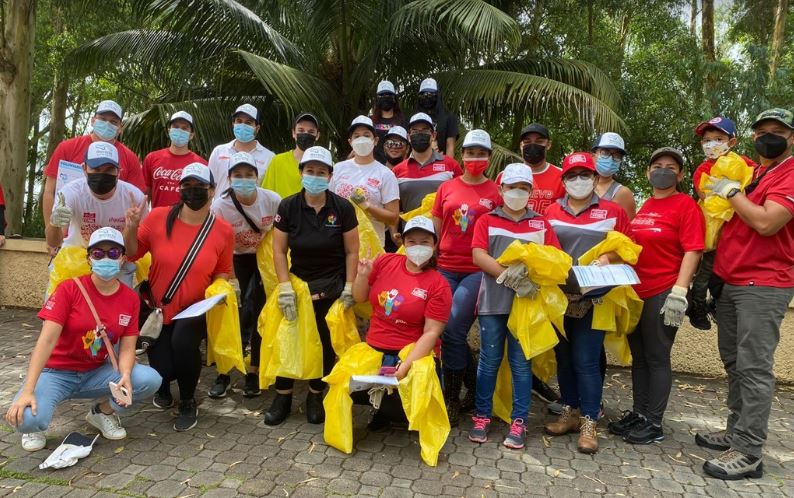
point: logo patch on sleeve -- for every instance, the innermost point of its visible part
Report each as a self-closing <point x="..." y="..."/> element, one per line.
<point x="124" y="320"/>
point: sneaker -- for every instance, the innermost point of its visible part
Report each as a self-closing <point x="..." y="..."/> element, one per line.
<point x="588" y="436"/>
<point x="645" y="433"/>
<point x="479" y="433"/>
<point x="187" y="417"/>
<point x="251" y="388"/>
<point x="108" y="425"/>
<point x="515" y="438"/>
<point x="733" y="465"/>
<point x="699" y="315"/>
<point x="567" y="422"/>
<point x="163" y="401"/>
<point x="279" y="409"/>
<point x="720" y="441"/>
<point x="33" y="441"/>
<point x="554" y="408"/>
<point x="221" y="387"/>
<point x="543" y="391"/>
<point x="623" y="426"/>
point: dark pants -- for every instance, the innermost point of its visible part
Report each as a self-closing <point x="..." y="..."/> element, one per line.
<point x="176" y="355"/>
<point x="321" y="308"/>
<point x="702" y="278"/>
<point x="579" y="365"/>
<point x="252" y="302"/>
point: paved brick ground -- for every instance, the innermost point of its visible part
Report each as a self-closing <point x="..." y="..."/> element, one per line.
<point x="232" y="453"/>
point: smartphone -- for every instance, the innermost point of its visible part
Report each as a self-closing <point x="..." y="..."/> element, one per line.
<point x="120" y="393"/>
<point x="387" y="371"/>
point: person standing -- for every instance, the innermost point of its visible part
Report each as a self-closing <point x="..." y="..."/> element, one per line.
<point x="386" y="114"/>
<point x="431" y="103"/>
<point x="395" y="146"/>
<point x="283" y="174"/>
<point x="609" y="151"/>
<point x="535" y="144"/>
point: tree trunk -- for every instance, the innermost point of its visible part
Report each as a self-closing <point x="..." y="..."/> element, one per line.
<point x="693" y="17"/>
<point x="590" y="22"/>
<point x="16" y="60"/>
<point x="707" y="28"/>
<point x="60" y="87"/>
<point x="777" y="37"/>
<point x="30" y="202"/>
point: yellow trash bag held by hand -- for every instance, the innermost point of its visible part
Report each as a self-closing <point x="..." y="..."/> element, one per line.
<point x="342" y="325"/>
<point x="369" y="243"/>
<point x="224" y="344"/>
<point x="424" y="209"/>
<point x="142" y="267"/>
<point x="716" y="209"/>
<point x="70" y="262"/>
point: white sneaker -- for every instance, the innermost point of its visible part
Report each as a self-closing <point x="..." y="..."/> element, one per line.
<point x="34" y="441"/>
<point x="108" y="425"/>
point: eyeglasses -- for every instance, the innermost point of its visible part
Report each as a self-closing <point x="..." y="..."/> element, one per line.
<point x="113" y="253"/>
<point x="394" y="144"/>
<point x="614" y="154"/>
<point x="584" y="175"/>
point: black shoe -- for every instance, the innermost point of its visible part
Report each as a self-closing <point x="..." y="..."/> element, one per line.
<point x="188" y="415"/>
<point x="279" y="409"/>
<point x="251" y="389"/>
<point x="163" y="401"/>
<point x="543" y="391"/>
<point x="453" y="380"/>
<point x="699" y="315"/>
<point x="623" y="426"/>
<point x="379" y="423"/>
<point x="221" y="387"/>
<point x="645" y="433"/>
<point x="315" y="412"/>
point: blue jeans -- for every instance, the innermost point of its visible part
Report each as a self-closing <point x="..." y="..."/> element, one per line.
<point x="56" y="386"/>
<point x="493" y="332"/>
<point x="465" y="288"/>
<point x="579" y="365"/>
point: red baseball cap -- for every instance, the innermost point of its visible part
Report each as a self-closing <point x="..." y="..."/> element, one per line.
<point x="578" y="160"/>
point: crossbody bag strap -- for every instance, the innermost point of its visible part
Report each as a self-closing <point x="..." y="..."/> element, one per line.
<point x="240" y="210"/>
<point x="190" y="258"/>
<point x="101" y="331"/>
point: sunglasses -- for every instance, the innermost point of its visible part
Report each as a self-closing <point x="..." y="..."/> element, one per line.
<point x="394" y="144"/>
<point x="113" y="253"/>
<point x="585" y="175"/>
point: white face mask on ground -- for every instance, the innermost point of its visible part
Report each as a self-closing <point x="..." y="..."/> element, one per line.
<point x="516" y="199"/>
<point x="579" y="188"/>
<point x="419" y="255"/>
<point x="362" y="146"/>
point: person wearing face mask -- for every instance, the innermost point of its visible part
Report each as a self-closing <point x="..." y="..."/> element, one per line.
<point x="96" y="200"/>
<point x="366" y="182"/>
<point x="245" y="126"/>
<point x="386" y="114"/>
<point x="755" y="262"/>
<point x="446" y="129"/>
<point x="581" y="220"/>
<point x="460" y="202"/>
<point x="106" y="126"/>
<point x="250" y="211"/>
<point x="319" y="230"/>
<point x="493" y="233"/>
<point x="396" y="149"/>
<point x="188" y="233"/>
<point x="283" y="174"/>
<point x="609" y="151"/>
<point x="162" y="168"/>
<point x="671" y="230"/>
<point x="71" y="360"/>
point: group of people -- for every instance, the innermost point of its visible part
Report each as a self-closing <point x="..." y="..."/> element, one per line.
<point x="200" y="221"/>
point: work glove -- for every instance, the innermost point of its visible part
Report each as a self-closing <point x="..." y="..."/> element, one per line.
<point x="61" y="215"/>
<point x="347" y="295"/>
<point x="721" y="186"/>
<point x="512" y="275"/>
<point x="287" y="301"/>
<point x="526" y="288"/>
<point x="675" y="307"/>
<point x="236" y="286"/>
<point x="359" y="197"/>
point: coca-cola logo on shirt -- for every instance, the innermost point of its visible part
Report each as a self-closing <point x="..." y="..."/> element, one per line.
<point x="89" y="217"/>
<point x="598" y="214"/>
<point x="162" y="173"/>
<point x="373" y="182"/>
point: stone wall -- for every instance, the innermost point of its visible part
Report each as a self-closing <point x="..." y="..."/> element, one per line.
<point x="23" y="272"/>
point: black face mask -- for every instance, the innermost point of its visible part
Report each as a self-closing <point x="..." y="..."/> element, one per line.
<point x="394" y="161"/>
<point x="194" y="197"/>
<point x="663" y="178"/>
<point x="770" y="145"/>
<point x="534" y="153"/>
<point x="305" y="140"/>
<point x="385" y="102"/>
<point x="420" y="142"/>
<point x="101" y="183"/>
<point x="428" y="102"/>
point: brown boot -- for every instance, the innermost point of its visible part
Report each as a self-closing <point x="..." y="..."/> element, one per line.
<point x="568" y="421"/>
<point x="588" y="436"/>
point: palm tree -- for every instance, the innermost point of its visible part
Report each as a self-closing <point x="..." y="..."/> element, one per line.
<point x="327" y="56"/>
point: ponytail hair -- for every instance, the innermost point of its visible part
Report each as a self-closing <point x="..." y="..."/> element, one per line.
<point x="173" y="214"/>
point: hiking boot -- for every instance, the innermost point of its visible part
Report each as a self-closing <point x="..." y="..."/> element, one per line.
<point x="543" y="391"/>
<point x="567" y="422"/>
<point x="188" y="415"/>
<point x="720" y="441"/>
<point x="645" y="432"/>
<point x="163" y="401"/>
<point x="34" y="441"/>
<point x="453" y="380"/>
<point x="251" y="388"/>
<point x="108" y="425"/>
<point x="515" y="438"/>
<point x="279" y="409"/>
<point x="479" y="432"/>
<point x="315" y="412"/>
<point x="221" y="387"/>
<point x="699" y="315"/>
<point x="733" y="465"/>
<point x="588" y="436"/>
<point x="623" y="426"/>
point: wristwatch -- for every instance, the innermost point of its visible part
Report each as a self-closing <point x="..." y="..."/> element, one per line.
<point x="732" y="192"/>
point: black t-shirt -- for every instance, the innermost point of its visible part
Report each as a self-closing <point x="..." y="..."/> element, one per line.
<point x="315" y="240"/>
<point x="446" y="127"/>
<point x="382" y="127"/>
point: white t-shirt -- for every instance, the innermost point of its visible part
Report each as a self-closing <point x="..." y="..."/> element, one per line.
<point x="261" y="212"/>
<point x="219" y="163"/>
<point x="378" y="182"/>
<point x="90" y="213"/>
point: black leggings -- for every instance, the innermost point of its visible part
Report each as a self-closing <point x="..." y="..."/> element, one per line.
<point x="252" y="301"/>
<point x="176" y="355"/>
<point x="321" y="308"/>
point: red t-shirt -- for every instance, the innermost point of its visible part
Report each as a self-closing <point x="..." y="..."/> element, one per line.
<point x="745" y="257"/>
<point x="74" y="149"/>
<point x="705" y="168"/>
<point x="459" y="204"/>
<point x="666" y="229"/>
<point x="214" y="258"/>
<point x="547" y="187"/>
<point x="2" y="197"/>
<point x="78" y="348"/>
<point x="161" y="172"/>
<point x="401" y="301"/>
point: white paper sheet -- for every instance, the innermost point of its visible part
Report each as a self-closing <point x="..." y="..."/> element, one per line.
<point x="67" y="172"/>
<point x="201" y="307"/>
<point x="367" y="382"/>
<point x="594" y="277"/>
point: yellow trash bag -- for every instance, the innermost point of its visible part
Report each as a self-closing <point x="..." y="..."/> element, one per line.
<point x="70" y="262"/>
<point x="142" y="268"/>
<point x="424" y="209"/>
<point x="290" y="349"/>
<point x="264" y="261"/>
<point x="716" y="209"/>
<point x="615" y="242"/>
<point x="224" y="344"/>
<point x="369" y="245"/>
<point x="342" y="325"/>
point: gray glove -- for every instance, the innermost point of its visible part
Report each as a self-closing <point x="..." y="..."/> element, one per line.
<point x="61" y="215"/>
<point x="526" y="288"/>
<point x="675" y="307"/>
<point x="347" y="295"/>
<point x="236" y="286"/>
<point x="287" y="301"/>
<point x="512" y="275"/>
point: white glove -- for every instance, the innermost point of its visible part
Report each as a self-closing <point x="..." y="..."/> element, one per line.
<point x="675" y="307"/>
<point x="721" y="186"/>
<point x="61" y="215"/>
<point x="513" y="275"/>
<point x="347" y="295"/>
<point x="287" y="301"/>
<point x="526" y="288"/>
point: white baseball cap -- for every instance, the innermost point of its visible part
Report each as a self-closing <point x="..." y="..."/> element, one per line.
<point x="477" y="138"/>
<point x="385" y="86"/>
<point x="361" y="121"/>
<point x="109" y="106"/>
<point x="100" y="154"/>
<point x="242" y="158"/>
<point x="181" y="115"/>
<point x="610" y="140"/>
<point x="516" y="173"/>
<point x="197" y="171"/>
<point x="319" y="154"/>
<point x="398" y="131"/>
<point x="247" y="109"/>
<point x="420" y="223"/>
<point x="106" y="234"/>
<point x="421" y="117"/>
<point x="428" y="85"/>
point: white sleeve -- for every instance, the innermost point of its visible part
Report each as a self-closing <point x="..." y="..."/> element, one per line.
<point x="390" y="190"/>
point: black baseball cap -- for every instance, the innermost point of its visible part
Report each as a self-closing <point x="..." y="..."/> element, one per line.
<point x="535" y="128"/>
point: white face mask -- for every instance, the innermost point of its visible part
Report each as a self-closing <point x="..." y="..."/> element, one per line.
<point x="419" y="255"/>
<point x="714" y="148"/>
<point x="362" y="146"/>
<point x="516" y="199"/>
<point x="579" y="188"/>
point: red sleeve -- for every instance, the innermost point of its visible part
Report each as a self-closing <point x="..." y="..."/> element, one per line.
<point x="132" y="328"/>
<point x="623" y="225"/>
<point x="692" y="231"/>
<point x="705" y="167"/>
<point x="783" y="194"/>
<point x="224" y="264"/>
<point x="134" y="171"/>
<point x="147" y="171"/>
<point x="455" y="166"/>
<point x="438" y="209"/>
<point x="439" y="303"/>
<point x="480" y="237"/>
<point x="60" y="152"/>
<point x="58" y="306"/>
<point x="377" y="266"/>
<point x="144" y="235"/>
<point x="550" y="238"/>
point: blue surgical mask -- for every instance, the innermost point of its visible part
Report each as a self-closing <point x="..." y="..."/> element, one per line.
<point x="244" y="186"/>
<point x="607" y="166"/>
<point x="106" y="268"/>
<point x="244" y="133"/>
<point x="105" y="130"/>
<point x="314" y="184"/>
<point x="179" y="137"/>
